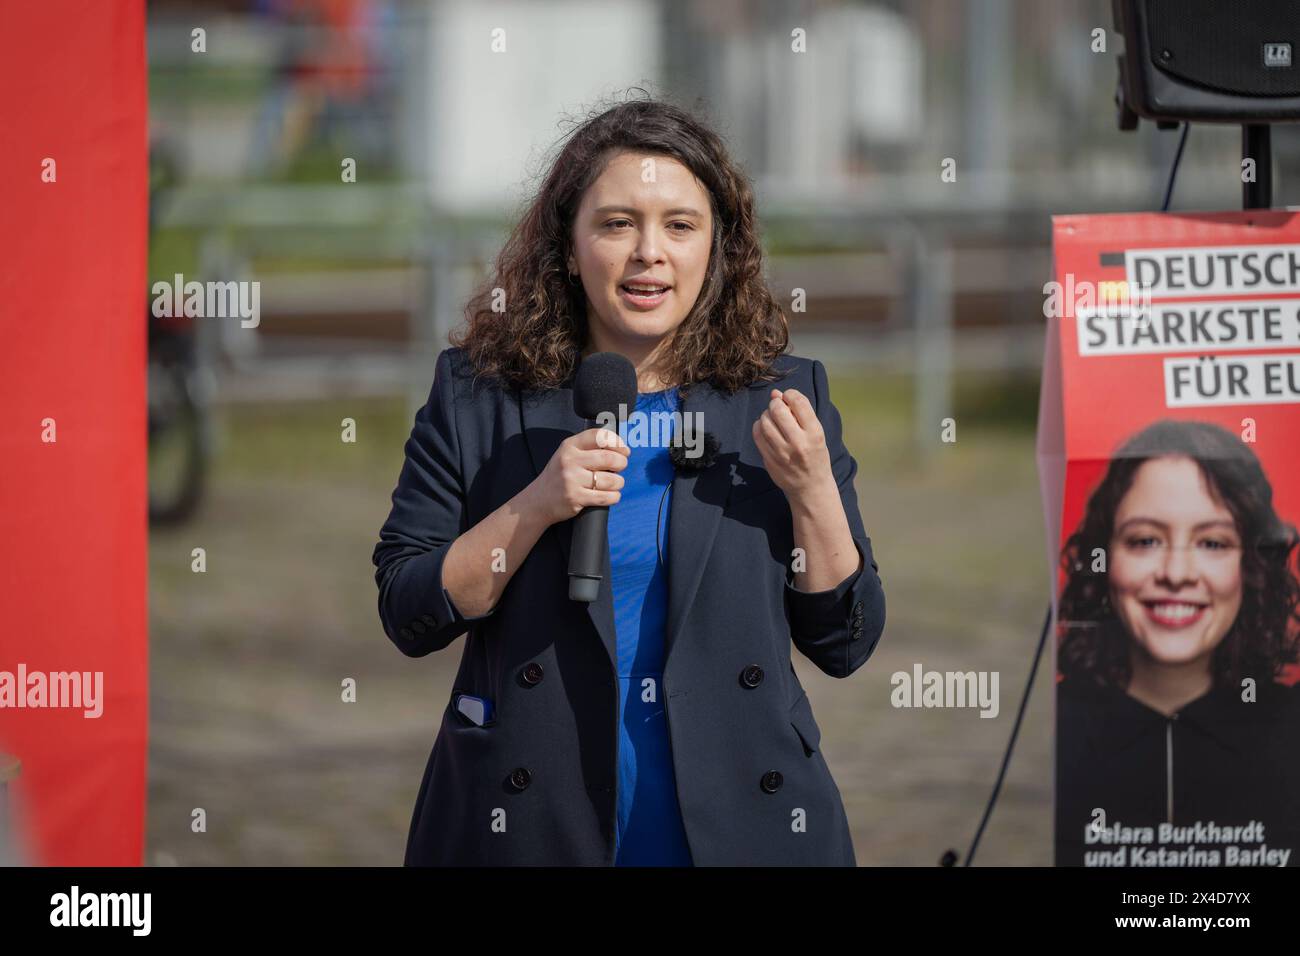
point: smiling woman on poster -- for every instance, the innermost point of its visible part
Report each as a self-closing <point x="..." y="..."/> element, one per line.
<point x="662" y="724"/>
<point x="1170" y="711"/>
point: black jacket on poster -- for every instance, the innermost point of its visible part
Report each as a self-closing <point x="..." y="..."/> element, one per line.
<point x="536" y="784"/>
<point x="1218" y="759"/>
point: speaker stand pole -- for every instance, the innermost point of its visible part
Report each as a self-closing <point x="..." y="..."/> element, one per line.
<point x="1257" y="144"/>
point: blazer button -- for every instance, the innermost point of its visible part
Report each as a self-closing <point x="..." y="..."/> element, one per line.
<point x="771" y="781"/>
<point x="406" y="634"/>
<point x="751" y="676"/>
<point x="520" y="778"/>
<point x="532" y="673"/>
<point x="428" y="619"/>
<point x="418" y="627"/>
<point x="857" y="609"/>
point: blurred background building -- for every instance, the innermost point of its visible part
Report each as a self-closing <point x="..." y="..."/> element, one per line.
<point x="924" y="298"/>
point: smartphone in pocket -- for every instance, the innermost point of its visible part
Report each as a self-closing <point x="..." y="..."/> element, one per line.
<point x="478" y="710"/>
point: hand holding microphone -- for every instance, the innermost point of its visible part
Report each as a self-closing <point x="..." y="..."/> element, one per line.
<point x="583" y="473"/>
<point x="581" y="478"/>
<point x="605" y="391"/>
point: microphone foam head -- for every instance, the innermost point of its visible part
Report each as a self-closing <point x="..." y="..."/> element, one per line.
<point x="605" y="380"/>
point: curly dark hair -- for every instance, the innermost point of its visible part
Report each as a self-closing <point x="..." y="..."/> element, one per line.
<point x="1262" y="639"/>
<point x="735" y="329"/>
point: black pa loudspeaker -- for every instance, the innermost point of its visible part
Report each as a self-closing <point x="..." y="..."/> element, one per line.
<point x="1208" y="61"/>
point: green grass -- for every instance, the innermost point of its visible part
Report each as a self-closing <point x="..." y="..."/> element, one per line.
<point x="302" y="441"/>
<point x="173" y="251"/>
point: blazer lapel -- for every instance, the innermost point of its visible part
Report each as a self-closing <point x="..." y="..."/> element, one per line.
<point x="697" y="500"/>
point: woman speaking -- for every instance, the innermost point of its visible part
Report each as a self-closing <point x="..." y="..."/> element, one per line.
<point x="663" y="722"/>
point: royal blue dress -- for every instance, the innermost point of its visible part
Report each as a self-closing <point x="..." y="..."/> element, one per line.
<point x="649" y="831"/>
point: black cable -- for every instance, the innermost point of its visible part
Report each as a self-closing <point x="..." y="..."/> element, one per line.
<point x="1173" y="170"/>
<point x="1011" y="744"/>
<point x="658" y="549"/>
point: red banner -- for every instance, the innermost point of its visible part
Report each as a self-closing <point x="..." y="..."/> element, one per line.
<point x="73" y="533"/>
<point x="1169" y="430"/>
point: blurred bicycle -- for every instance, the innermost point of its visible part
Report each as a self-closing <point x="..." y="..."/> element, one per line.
<point x="180" y="418"/>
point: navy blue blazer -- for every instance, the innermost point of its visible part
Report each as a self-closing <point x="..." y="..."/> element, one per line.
<point x="536" y="784"/>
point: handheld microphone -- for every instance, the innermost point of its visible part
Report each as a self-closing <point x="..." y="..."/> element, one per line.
<point x="605" y="381"/>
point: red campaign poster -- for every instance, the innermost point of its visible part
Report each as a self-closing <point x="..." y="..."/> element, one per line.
<point x="1169" y="439"/>
<point x="73" y="528"/>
